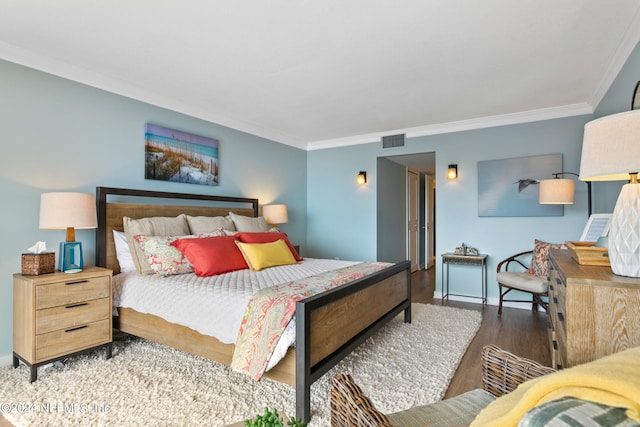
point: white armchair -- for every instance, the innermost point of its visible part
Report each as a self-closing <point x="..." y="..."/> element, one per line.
<point x="513" y="274"/>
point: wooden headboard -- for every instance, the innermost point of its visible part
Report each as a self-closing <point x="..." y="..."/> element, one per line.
<point x="110" y="213"/>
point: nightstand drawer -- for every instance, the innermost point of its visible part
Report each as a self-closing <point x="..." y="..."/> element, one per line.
<point x="72" y="339"/>
<point x="72" y="291"/>
<point x="70" y="315"/>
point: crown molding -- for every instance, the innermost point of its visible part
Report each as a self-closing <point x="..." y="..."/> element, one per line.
<point x="618" y="59"/>
<point x="71" y="72"/>
<point x="462" y="125"/>
<point x="20" y="56"/>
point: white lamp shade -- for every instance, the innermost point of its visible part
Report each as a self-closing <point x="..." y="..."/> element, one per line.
<point x="610" y="152"/>
<point x="275" y="214"/>
<point x="611" y="147"/>
<point x="556" y="191"/>
<point x="59" y="211"/>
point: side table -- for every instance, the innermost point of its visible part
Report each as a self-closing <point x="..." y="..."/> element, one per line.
<point x="459" y="259"/>
<point x="57" y="315"/>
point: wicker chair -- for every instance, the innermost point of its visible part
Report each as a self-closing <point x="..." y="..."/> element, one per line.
<point x="520" y="281"/>
<point x="502" y="372"/>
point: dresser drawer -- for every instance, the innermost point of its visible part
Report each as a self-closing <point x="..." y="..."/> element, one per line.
<point x="70" y="315"/>
<point x="72" y="339"/>
<point x="553" y="344"/>
<point x="553" y="305"/>
<point x="72" y="291"/>
<point x="561" y="293"/>
<point x="561" y="338"/>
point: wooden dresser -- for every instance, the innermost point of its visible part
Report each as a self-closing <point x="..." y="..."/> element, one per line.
<point x="58" y="314"/>
<point x="592" y="312"/>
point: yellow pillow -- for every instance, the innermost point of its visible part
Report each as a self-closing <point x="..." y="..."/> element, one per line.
<point x="263" y="255"/>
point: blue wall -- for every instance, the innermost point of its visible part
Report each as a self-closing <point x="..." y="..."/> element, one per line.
<point x="353" y="223"/>
<point x="58" y="135"/>
<point x="343" y="217"/>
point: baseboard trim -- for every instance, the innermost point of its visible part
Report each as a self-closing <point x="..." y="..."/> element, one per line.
<point x="490" y="301"/>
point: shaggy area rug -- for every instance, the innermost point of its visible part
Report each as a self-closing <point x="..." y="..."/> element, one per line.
<point x="148" y="384"/>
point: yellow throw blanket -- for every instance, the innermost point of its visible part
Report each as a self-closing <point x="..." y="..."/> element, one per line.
<point x="613" y="380"/>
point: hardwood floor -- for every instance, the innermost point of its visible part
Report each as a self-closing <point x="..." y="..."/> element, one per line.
<point x="519" y="331"/>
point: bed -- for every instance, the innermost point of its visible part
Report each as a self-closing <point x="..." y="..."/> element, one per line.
<point x="329" y="325"/>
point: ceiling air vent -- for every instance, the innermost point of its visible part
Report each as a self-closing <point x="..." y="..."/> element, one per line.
<point x="392" y="141"/>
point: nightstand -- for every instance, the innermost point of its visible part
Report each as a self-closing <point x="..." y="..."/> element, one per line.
<point x="58" y="315"/>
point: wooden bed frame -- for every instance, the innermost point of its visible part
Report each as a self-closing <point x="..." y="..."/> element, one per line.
<point x="329" y="325"/>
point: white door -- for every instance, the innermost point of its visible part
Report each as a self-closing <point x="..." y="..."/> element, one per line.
<point x="413" y="235"/>
<point x="429" y="213"/>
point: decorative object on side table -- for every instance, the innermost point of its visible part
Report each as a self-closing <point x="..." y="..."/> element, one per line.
<point x="466" y="250"/>
<point x="68" y="211"/>
<point x="611" y="152"/>
<point x="38" y="261"/>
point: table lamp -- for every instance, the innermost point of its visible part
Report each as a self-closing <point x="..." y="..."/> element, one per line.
<point x="611" y="152"/>
<point x="68" y="211"/>
<point x="275" y="214"/>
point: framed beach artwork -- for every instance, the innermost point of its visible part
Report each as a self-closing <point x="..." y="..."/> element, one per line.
<point x="510" y="187"/>
<point x="176" y="156"/>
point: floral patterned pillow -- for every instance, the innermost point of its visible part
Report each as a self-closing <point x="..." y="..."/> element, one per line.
<point x="164" y="259"/>
<point x="539" y="265"/>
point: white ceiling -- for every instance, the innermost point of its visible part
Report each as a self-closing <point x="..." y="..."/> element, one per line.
<point x="322" y="73"/>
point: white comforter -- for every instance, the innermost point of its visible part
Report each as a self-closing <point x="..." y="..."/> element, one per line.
<point x="214" y="305"/>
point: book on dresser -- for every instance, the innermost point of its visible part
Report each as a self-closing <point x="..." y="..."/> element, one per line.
<point x="58" y="314"/>
<point x="592" y="312"/>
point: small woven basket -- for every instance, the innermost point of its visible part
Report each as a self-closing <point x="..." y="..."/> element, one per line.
<point x="35" y="264"/>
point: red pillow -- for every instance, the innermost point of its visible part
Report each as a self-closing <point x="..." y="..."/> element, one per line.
<point x="266" y="237"/>
<point x="212" y="255"/>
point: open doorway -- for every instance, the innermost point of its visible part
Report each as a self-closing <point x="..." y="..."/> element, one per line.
<point x="408" y="191"/>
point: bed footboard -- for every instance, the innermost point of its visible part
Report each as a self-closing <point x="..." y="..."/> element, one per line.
<point x="331" y="324"/>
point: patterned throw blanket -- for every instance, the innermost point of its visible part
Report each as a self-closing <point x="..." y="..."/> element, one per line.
<point x="270" y="310"/>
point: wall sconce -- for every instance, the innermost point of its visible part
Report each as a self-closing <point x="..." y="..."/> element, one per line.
<point x="452" y="172"/>
<point x="362" y="178"/>
<point x="560" y="191"/>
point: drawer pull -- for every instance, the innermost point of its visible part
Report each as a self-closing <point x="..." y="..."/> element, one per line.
<point x="75" y="329"/>
<point x="555" y="300"/>
<point x="558" y="281"/>
<point x="77" y="305"/>
<point x="561" y="317"/>
<point x="77" y="282"/>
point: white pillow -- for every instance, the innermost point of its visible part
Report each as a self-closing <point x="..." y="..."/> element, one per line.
<point x="208" y="224"/>
<point x="122" y="252"/>
<point x="249" y="224"/>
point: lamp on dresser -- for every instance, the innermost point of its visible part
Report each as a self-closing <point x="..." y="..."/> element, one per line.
<point x="611" y="152"/>
<point x="68" y="211"/>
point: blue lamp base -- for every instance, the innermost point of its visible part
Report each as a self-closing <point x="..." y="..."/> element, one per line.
<point x="70" y="257"/>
